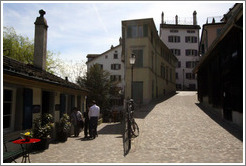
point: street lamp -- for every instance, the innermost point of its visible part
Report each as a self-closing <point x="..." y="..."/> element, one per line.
<point x="132" y="62"/>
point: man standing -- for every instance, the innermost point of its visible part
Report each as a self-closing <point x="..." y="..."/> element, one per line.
<point x="93" y="114"/>
<point x="86" y="128"/>
<point x="77" y="120"/>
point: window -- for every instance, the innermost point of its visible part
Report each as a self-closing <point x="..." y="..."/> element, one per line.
<point x="190" y="52"/>
<point x="174" y="39"/>
<point x="176" y="52"/>
<point x="115" y="77"/>
<point x="178" y="86"/>
<point x="218" y="31"/>
<point x="100" y="65"/>
<point x="177" y="75"/>
<point x="191" y="64"/>
<point x="115" y="55"/>
<point x="192" y="86"/>
<point x="139" y="58"/>
<point x="190" y="76"/>
<point x="162" y="71"/>
<point x="178" y="64"/>
<point x="134" y="31"/>
<point x="106" y="56"/>
<point x="7" y="108"/>
<point x="115" y="66"/>
<point x="190" y="31"/>
<point x="191" y="39"/>
<point x="174" y="31"/>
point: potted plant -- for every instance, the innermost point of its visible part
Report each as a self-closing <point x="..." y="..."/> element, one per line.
<point x="63" y="128"/>
<point x="27" y="135"/>
<point x="42" y="129"/>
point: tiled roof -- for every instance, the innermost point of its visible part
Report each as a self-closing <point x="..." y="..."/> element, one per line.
<point x="14" y="67"/>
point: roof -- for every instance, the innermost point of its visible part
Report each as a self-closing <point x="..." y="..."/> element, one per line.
<point x="94" y="56"/>
<point x="19" y="69"/>
<point x="180" y="26"/>
<point x="229" y="25"/>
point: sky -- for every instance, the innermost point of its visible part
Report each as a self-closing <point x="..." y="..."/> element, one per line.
<point x="80" y="28"/>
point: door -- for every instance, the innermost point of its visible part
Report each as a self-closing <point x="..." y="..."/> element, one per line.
<point x="138" y="92"/>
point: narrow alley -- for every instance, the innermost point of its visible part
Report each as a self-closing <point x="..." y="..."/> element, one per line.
<point x="176" y="130"/>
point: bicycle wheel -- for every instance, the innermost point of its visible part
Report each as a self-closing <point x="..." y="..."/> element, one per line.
<point x="134" y="128"/>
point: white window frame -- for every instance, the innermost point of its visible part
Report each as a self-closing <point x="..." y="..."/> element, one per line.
<point x="13" y="106"/>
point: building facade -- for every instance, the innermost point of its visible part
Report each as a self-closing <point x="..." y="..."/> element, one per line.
<point x="183" y="41"/>
<point x="220" y="70"/>
<point x="154" y="68"/>
<point x="210" y="31"/>
<point x="110" y="61"/>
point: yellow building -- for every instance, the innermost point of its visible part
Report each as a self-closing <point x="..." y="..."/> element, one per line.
<point x="154" y="68"/>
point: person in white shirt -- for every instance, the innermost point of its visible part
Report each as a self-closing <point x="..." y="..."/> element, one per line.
<point x="93" y="114"/>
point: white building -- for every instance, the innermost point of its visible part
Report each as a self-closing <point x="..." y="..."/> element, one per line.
<point x="183" y="41"/>
<point x="110" y="61"/>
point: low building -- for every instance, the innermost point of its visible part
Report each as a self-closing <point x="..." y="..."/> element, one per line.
<point x="154" y="68"/>
<point x="29" y="91"/>
<point x="220" y="70"/>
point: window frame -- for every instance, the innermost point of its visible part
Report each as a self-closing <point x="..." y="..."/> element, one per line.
<point x="13" y="105"/>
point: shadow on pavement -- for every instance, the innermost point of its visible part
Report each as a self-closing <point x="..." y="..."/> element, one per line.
<point x="229" y="126"/>
<point x="143" y="110"/>
<point x="112" y="128"/>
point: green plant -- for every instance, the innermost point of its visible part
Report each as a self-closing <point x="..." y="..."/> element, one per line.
<point x="43" y="126"/>
<point x="64" y="124"/>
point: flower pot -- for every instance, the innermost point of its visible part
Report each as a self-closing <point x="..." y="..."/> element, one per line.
<point x="27" y="138"/>
<point x="42" y="145"/>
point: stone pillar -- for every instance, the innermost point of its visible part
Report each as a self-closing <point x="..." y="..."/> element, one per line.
<point x="40" y="41"/>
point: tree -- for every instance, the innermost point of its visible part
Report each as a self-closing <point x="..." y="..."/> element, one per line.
<point x="21" y="49"/>
<point x="71" y="69"/>
<point x="100" y="87"/>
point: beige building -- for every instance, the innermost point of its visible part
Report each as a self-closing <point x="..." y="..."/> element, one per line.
<point x="154" y="68"/>
<point x="210" y="31"/>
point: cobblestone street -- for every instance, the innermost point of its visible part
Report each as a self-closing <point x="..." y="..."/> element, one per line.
<point x="177" y="130"/>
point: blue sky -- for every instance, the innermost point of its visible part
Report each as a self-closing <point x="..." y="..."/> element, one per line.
<point x="80" y="28"/>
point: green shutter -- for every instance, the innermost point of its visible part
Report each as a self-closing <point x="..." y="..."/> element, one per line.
<point x="129" y="32"/>
<point x="145" y="30"/>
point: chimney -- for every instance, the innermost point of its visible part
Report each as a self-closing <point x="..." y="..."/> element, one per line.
<point x="40" y="41"/>
<point x="120" y="41"/>
<point x="176" y="19"/>
<point x="162" y="18"/>
<point x="194" y="18"/>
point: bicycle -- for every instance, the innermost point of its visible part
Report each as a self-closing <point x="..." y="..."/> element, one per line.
<point x="134" y="129"/>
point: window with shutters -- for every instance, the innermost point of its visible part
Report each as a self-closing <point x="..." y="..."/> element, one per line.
<point x="174" y="39"/>
<point x="139" y="57"/>
<point x="115" y="66"/>
<point x="191" y="52"/>
<point x="191" y="39"/>
<point x="176" y="52"/>
<point x="135" y="31"/>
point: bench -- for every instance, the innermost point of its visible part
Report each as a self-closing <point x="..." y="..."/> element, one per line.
<point x="9" y="156"/>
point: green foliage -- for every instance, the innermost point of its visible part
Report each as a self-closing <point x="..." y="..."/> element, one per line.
<point x="17" y="46"/>
<point x="43" y="126"/>
<point x="64" y="124"/>
<point x="99" y="84"/>
<point x="21" y="49"/>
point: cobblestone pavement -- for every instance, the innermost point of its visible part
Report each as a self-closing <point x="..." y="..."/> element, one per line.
<point x="176" y="130"/>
